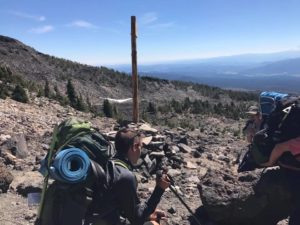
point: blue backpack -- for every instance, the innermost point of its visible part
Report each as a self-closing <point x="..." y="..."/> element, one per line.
<point x="268" y="101"/>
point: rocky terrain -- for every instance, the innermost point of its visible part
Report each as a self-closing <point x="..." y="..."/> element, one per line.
<point x="203" y="163"/>
<point x="198" y="143"/>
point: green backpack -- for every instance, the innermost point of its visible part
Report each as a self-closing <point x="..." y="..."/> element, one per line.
<point x="70" y="203"/>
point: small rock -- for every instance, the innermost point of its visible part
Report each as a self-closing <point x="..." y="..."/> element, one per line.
<point x="224" y="159"/>
<point x="173" y="149"/>
<point x="144" y="180"/>
<point x="147" y="140"/>
<point x="9" y="158"/>
<point x="184" y="148"/>
<point x="193" y="179"/>
<point x="196" y="154"/>
<point x="147" y="128"/>
<point x="209" y="156"/>
<point x="200" y="149"/>
<point x="151" y="164"/>
<point x="174" y="173"/>
<point x="159" y="138"/>
<point x="155" y="144"/>
<point x="45" y="147"/>
<point x="181" y="129"/>
<point x="190" y="165"/>
<point x="176" y="165"/>
<point x="183" y="140"/>
<point x="177" y="158"/>
<point x="4" y="137"/>
<point x="202" y="172"/>
<point x="157" y="154"/>
<point x="172" y="210"/>
<point x="21" y="150"/>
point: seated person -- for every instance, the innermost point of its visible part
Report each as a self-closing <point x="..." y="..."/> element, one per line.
<point x="253" y="124"/>
<point x="292" y="146"/>
<point x="122" y="199"/>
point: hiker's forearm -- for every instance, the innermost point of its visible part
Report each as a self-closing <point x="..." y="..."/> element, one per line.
<point x="150" y="205"/>
<point x="278" y="150"/>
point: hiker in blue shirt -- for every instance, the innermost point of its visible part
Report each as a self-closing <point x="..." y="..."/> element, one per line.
<point x="122" y="199"/>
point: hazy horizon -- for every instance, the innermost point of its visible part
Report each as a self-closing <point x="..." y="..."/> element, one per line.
<point x="97" y="32"/>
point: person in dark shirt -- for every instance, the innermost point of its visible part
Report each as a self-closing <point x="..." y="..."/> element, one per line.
<point x="121" y="200"/>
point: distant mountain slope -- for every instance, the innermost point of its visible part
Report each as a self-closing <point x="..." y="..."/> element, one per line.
<point x="249" y="71"/>
<point x="283" y="67"/>
<point x="36" y="66"/>
<point x="234" y="63"/>
<point x="97" y="82"/>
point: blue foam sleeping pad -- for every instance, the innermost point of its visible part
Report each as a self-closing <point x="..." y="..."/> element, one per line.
<point x="268" y="101"/>
<point x="70" y="165"/>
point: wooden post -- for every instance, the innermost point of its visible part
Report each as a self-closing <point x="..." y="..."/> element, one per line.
<point x="135" y="116"/>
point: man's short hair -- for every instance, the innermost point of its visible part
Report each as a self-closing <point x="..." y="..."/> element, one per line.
<point x="125" y="139"/>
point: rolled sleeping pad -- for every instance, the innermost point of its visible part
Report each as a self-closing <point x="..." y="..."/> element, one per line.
<point x="70" y="166"/>
<point x="268" y="101"/>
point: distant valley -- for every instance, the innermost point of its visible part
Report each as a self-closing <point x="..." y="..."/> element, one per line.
<point x="275" y="71"/>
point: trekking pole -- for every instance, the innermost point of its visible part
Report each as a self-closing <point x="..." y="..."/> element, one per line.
<point x="186" y="206"/>
<point x="159" y="174"/>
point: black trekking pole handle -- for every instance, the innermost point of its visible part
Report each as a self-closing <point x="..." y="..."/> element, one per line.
<point x="186" y="206"/>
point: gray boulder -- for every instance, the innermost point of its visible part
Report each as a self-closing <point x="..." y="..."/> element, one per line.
<point x="250" y="198"/>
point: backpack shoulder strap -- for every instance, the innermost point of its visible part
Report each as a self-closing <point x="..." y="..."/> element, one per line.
<point x="121" y="163"/>
<point x="98" y="171"/>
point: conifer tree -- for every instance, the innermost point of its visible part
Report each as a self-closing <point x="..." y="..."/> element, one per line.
<point x="107" y="108"/>
<point x="3" y="91"/>
<point x="80" y="104"/>
<point x="19" y="94"/>
<point x="151" y="108"/>
<point x="88" y="103"/>
<point x="71" y="94"/>
<point x="40" y="93"/>
<point x="57" y="94"/>
<point x="47" y="89"/>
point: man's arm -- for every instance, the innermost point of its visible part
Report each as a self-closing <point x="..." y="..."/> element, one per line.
<point x="277" y="151"/>
<point x="131" y="208"/>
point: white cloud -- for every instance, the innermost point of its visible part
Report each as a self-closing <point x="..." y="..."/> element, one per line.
<point x="162" y="25"/>
<point x="42" y="30"/>
<point x="82" y="24"/>
<point x="149" y="18"/>
<point x="28" y="16"/>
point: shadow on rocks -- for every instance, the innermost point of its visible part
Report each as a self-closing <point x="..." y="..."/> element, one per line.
<point x="202" y="217"/>
<point x="260" y="198"/>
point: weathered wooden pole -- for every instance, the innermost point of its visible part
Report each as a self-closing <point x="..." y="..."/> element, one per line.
<point x="135" y="116"/>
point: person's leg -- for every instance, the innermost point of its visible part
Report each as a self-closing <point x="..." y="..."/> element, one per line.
<point x="294" y="178"/>
<point x="295" y="213"/>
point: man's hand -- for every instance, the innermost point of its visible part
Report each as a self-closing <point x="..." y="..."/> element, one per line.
<point x="162" y="180"/>
<point x="157" y="215"/>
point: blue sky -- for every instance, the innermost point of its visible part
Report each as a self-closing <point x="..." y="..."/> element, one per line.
<point x="97" y="32"/>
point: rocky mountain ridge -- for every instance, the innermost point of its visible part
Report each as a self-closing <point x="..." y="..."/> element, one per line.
<point x="95" y="82"/>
